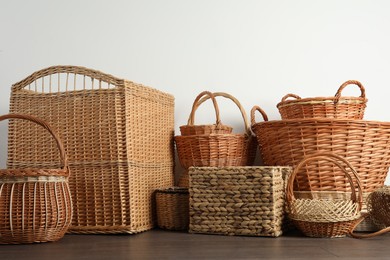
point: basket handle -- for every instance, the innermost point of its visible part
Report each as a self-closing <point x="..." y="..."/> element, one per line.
<point x="350" y="82"/>
<point x="95" y="74"/>
<point x="290" y="95"/>
<point x="195" y="106"/>
<point x="235" y="100"/>
<point x="60" y="145"/>
<point x="331" y="158"/>
<point x="253" y="111"/>
<point x="369" y="235"/>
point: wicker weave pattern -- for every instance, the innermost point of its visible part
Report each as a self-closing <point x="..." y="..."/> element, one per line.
<point x="35" y="204"/>
<point x="172" y="208"/>
<point x="237" y="200"/>
<point x="325" y="107"/>
<point x="365" y="144"/>
<point x="325" y="217"/>
<point x="118" y="135"/>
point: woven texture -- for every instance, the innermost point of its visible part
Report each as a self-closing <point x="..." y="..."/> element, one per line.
<point x="118" y="135"/>
<point x="237" y="200"/>
<point x="325" y="107"/>
<point x="365" y="144"/>
<point x="172" y="208"/>
<point x="325" y="217"/>
<point x="35" y="204"/>
<point x="217" y="149"/>
<point x="217" y="128"/>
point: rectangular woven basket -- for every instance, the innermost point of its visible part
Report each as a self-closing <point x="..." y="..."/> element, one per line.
<point x="243" y="200"/>
<point x="118" y="135"/>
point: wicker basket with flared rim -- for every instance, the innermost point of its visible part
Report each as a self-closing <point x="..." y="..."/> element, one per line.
<point x="365" y="144"/>
<point x="217" y="128"/>
<point x="172" y="208"/>
<point x="35" y="204"/>
<point x="217" y="150"/>
<point x="325" y="217"/>
<point x="325" y="107"/>
<point x="378" y="204"/>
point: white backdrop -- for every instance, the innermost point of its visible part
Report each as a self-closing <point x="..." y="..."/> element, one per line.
<point x="256" y="50"/>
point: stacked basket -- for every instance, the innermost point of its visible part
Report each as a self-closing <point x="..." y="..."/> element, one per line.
<point x="332" y="125"/>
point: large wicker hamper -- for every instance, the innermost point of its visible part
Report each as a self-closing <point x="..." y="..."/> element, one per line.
<point x="118" y="136"/>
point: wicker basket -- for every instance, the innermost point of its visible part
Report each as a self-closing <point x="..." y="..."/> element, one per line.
<point x="118" y="136"/>
<point x="218" y="149"/>
<point x="365" y="144"/>
<point x="172" y="208"/>
<point x="325" y="107"/>
<point x="217" y="128"/>
<point x="246" y="201"/>
<point x="378" y="205"/>
<point x="35" y="204"/>
<point x="319" y="217"/>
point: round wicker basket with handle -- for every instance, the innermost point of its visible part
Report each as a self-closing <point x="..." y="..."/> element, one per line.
<point x="325" y="217"/>
<point x="218" y="149"/>
<point x="35" y="204"/>
<point x="217" y="128"/>
<point x="341" y="107"/>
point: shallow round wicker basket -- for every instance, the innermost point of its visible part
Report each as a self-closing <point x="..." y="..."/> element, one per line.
<point x="340" y="107"/>
<point x="172" y="206"/>
<point x="365" y="144"/>
<point x="35" y="204"/>
<point x="218" y="149"/>
<point x="325" y="217"/>
<point x="217" y="128"/>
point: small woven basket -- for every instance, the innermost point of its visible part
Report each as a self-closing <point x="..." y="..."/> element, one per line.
<point x="321" y="217"/>
<point x="35" y="204"/>
<point x="378" y="206"/>
<point x="172" y="208"/>
<point x="217" y="128"/>
<point x="325" y="107"/>
<point x="217" y="150"/>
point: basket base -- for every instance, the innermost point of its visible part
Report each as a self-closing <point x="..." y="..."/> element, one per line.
<point x="325" y="230"/>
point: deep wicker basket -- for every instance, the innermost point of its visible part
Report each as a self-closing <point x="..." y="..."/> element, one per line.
<point x="218" y="149"/>
<point x="118" y="135"/>
<point x="365" y="144"/>
<point x="35" y="204"/>
<point x="325" y="107"/>
<point x="217" y="128"/>
<point x="172" y="208"/>
<point x="245" y="200"/>
<point x="325" y="217"/>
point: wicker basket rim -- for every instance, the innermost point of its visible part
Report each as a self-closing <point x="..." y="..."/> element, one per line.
<point x="236" y="167"/>
<point x="174" y="190"/>
<point x="324" y="121"/>
<point x="32" y="172"/>
<point x="213" y="135"/>
<point x="320" y="100"/>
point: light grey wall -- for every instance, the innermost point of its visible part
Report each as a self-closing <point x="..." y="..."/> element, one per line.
<point x="256" y="50"/>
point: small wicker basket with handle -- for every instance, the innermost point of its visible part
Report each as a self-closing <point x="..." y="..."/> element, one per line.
<point x="325" y="107"/>
<point x="217" y="128"/>
<point x="325" y="217"/>
<point x="35" y="204"/>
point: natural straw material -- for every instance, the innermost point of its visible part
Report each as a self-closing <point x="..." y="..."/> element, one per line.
<point x="365" y="144"/>
<point x="378" y="204"/>
<point x="118" y="135"/>
<point x="340" y="107"/>
<point x="246" y="201"/>
<point x="217" y="128"/>
<point x="325" y="217"/>
<point x="35" y="204"/>
<point x="218" y="149"/>
<point x="172" y="208"/>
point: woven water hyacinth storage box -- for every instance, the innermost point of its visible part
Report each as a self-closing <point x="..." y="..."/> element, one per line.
<point x="118" y="135"/>
<point x="243" y="200"/>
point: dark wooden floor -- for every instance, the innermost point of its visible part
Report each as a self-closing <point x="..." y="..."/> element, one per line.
<point x="159" y="244"/>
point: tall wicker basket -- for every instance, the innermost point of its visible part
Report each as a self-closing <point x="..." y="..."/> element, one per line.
<point x="118" y="136"/>
<point x="35" y="204"/>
